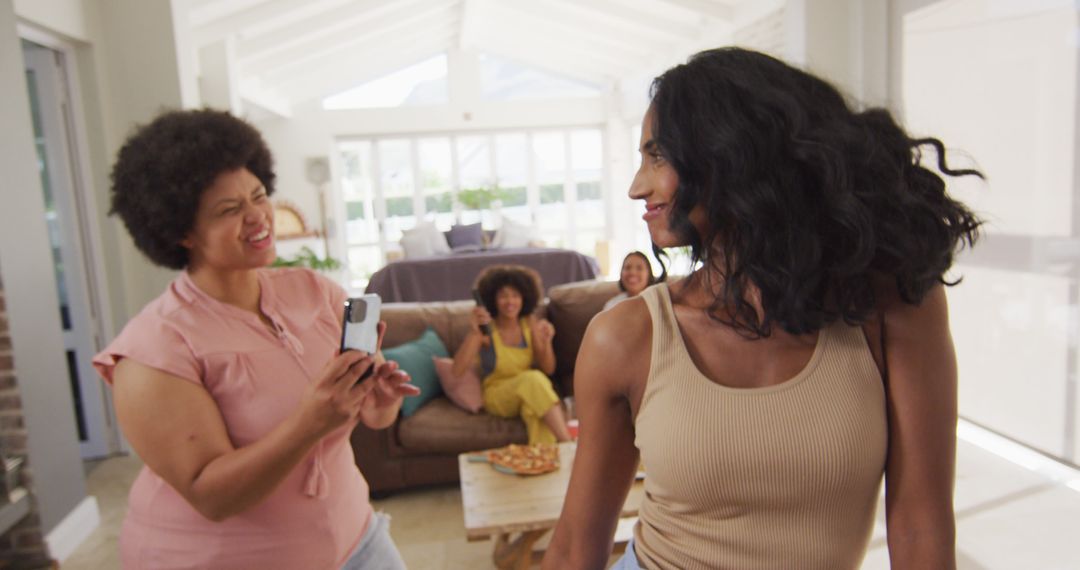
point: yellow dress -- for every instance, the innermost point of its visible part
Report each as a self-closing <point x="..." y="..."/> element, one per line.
<point x="514" y="388"/>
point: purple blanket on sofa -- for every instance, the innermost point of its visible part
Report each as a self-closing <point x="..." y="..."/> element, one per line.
<point x="451" y="277"/>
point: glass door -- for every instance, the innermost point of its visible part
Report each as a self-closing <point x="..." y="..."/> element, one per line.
<point x="79" y="316"/>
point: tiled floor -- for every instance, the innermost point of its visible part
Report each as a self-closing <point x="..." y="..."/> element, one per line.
<point x="1008" y="517"/>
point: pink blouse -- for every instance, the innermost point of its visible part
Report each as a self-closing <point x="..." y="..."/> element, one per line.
<point x="316" y="516"/>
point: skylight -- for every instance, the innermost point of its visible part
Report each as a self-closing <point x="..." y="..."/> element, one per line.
<point x="423" y="83"/>
<point x="506" y="80"/>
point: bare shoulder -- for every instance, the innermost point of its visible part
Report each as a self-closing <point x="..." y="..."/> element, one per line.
<point x="914" y="321"/>
<point x="617" y="345"/>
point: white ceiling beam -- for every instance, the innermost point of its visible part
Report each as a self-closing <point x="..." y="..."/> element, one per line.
<point x="332" y="80"/>
<point x="201" y="12"/>
<point x="387" y="27"/>
<point x="470" y="14"/>
<point x="749" y="12"/>
<point x="302" y="30"/>
<point x="251" y="91"/>
<point x="613" y="15"/>
<point x="706" y="8"/>
<point x="234" y="24"/>
<point x="198" y="6"/>
<point x="590" y="38"/>
<point x="347" y="61"/>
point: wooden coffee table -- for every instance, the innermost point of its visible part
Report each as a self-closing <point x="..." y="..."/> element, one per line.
<point x="519" y="510"/>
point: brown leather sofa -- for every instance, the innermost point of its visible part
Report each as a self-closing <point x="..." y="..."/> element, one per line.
<point x="423" y="448"/>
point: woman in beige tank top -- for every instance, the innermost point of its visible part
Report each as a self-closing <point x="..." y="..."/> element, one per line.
<point x="805" y="359"/>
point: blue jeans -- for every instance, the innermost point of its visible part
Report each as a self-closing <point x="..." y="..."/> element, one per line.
<point x="376" y="550"/>
<point x="629" y="559"/>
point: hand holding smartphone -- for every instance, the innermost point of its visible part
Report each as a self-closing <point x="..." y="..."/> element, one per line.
<point x="484" y="328"/>
<point x="360" y="326"/>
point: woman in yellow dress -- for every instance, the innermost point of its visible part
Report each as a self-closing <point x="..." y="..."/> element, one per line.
<point x="515" y="352"/>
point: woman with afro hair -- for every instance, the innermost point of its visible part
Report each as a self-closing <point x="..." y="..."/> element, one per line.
<point x="805" y="359"/>
<point x="515" y="352"/>
<point x="230" y="386"/>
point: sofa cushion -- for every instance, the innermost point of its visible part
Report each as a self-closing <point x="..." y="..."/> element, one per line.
<point x="464" y="390"/>
<point x="570" y="308"/>
<point x="443" y="428"/>
<point x="463" y="237"/>
<point x="416" y="358"/>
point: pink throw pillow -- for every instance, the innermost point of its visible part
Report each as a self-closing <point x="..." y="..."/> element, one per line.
<point x="463" y="390"/>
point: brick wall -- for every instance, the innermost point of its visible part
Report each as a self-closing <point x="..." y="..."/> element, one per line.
<point x="23" y="547"/>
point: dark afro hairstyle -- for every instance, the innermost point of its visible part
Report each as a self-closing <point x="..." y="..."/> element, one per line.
<point x="652" y="278"/>
<point x="813" y="203"/>
<point x="164" y="167"/>
<point x="525" y="280"/>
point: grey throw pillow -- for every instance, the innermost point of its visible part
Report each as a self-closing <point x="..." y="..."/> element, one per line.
<point x="466" y="237"/>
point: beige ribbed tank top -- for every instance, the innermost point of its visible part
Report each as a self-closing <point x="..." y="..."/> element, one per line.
<point x="785" y="476"/>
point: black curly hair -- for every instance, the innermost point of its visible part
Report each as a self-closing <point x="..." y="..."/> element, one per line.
<point x="652" y="278"/>
<point x="807" y="200"/>
<point x="164" y="167"/>
<point x="525" y="280"/>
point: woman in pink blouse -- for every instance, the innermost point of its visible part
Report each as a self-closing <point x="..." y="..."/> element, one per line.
<point x="229" y="385"/>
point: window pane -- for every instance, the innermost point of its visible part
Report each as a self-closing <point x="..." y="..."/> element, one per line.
<point x="587" y="151"/>
<point x="511" y="160"/>
<point x="587" y="239"/>
<point x="589" y="191"/>
<point x="474" y="162"/>
<point x="396" y="175"/>
<point x="436" y="175"/>
<point x="516" y="196"/>
<point x="549" y="152"/>
<point x="551" y="193"/>
<point x="363" y="261"/>
<point x="440" y="203"/>
<point x="358" y="191"/>
<point x="355" y="210"/>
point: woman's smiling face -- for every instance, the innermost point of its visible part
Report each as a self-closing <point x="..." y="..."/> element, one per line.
<point x="635" y="274"/>
<point x="234" y="226"/>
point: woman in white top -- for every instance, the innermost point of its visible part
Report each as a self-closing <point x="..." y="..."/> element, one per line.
<point x="635" y="277"/>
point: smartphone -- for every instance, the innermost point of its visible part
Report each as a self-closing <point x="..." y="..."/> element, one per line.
<point x="359" y="330"/>
<point x="486" y="329"/>
<point x="360" y="326"/>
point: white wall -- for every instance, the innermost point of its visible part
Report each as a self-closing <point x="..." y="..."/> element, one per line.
<point x="843" y="41"/>
<point x="69" y="18"/>
<point x="30" y="289"/>
<point x="127" y="71"/>
<point x="998" y="80"/>
<point x="138" y="68"/>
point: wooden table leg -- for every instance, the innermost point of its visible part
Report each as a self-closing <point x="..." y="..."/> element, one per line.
<point x="516" y="554"/>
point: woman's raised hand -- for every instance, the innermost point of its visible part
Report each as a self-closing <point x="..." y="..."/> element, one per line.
<point x="339" y="395"/>
<point x="543" y="331"/>
<point x="386" y="387"/>
<point x="334" y="397"/>
<point x="479" y="317"/>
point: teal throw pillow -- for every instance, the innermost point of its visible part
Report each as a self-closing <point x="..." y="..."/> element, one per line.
<point x="414" y="357"/>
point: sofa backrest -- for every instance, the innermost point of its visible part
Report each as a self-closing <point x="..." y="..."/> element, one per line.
<point x="570" y="307"/>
